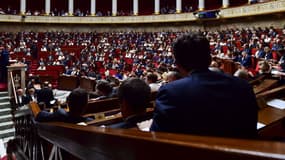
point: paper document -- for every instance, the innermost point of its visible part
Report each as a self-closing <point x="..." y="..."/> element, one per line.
<point x="260" y="125"/>
<point x="277" y="103"/>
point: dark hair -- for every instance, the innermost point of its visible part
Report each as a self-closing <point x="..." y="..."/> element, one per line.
<point x="136" y="92"/>
<point x="77" y="100"/>
<point x="104" y="86"/>
<point x="192" y="51"/>
<point x="151" y="77"/>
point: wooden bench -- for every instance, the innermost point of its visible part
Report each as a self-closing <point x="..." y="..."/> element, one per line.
<point x="95" y="106"/>
<point x="111" y="117"/>
<point x="89" y="142"/>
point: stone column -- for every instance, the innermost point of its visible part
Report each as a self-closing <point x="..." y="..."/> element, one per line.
<point x="156" y="6"/>
<point x="70" y="7"/>
<point x="93" y="8"/>
<point x="226" y="3"/>
<point x="114" y="7"/>
<point x="178" y="6"/>
<point x="201" y="5"/>
<point x="22" y="7"/>
<point x="47" y="7"/>
<point x="135" y="7"/>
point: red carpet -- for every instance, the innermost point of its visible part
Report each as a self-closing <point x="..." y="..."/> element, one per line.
<point x="3" y="86"/>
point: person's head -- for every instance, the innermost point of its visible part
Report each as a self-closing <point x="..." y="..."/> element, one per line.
<point x="263" y="67"/>
<point x="191" y="52"/>
<point x="46" y="84"/>
<point x="172" y="76"/>
<point x="242" y="73"/>
<point x="77" y="100"/>
<point x="20" y="92"/>
<point x="151" y="78"/>
<point x="31" y="91"/>
<point x="243" y="53"/>
<point x="103" y="87"/>
<point x="266" y="49"/>
<point x="133" y="94"/>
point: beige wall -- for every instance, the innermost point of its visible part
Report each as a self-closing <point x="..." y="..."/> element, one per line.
<point x="276" y="20"/>
<point x="16" y="27"/>
<point x="258" y="15"/>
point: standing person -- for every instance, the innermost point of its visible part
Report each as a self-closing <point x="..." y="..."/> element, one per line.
<point x="45" y="95"/>
<point x="4" y="62"/>
<point x="204" y="102"/>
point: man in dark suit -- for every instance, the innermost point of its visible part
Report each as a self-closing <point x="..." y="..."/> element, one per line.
<point x="133" y="94"/>
<point x="45" y="95"/>
<point x="77" y="101"/>
<point x="204" y="102"/>
<point x="22" y="99"/>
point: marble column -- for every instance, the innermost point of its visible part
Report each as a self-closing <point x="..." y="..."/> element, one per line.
<point x="135" y="7"/>
<point x="70" y="7"/>
<point x="201" y="5"/>
<point x="178" y="6"/>
<point x="114" y="7"/>
<point x="226" y="3"/>
<point x="22" y="7"/>
<point x="156" y="6"/>
<point x="93" y="8"/>
<point x="47" y="7"/>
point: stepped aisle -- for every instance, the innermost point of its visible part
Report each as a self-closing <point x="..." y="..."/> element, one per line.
<point x="7" y="129"/>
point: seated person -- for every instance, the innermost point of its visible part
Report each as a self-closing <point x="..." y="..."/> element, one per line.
<point x="172" y="76"/>
<point x="76" y="101"/>
<point x="242" y="73"/>
<point x="263" y="68"/>
<point x="32" y="95"/>
<point x="103" y="90"/>
<point x="133" y="94"/>
<point x="151" y="79"/>
<point x="22" y="99"/>
<point x="204" y="102"/>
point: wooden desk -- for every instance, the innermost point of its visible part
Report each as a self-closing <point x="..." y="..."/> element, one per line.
<point x="269" y="115"/>
<point x="67" y="82"/>
<point x="265" y="85"/>
<point x="87" y="83"/>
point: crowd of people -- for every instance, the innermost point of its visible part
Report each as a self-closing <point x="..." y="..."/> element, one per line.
<point x="124" y="54"/>
<point x="165" y="62"/>
<point x="199" y="91"/>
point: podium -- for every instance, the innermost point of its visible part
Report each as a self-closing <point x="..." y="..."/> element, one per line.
<point x="17" y="72"/>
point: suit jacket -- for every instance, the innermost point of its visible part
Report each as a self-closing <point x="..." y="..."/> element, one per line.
<point x="45" y="95"/>
<point x="130" y="122"/>
<point x="23" y="100"/>
<point x="207" y="103"/>
<point x="246" y="61"/>
<point x="59" y="116"/>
